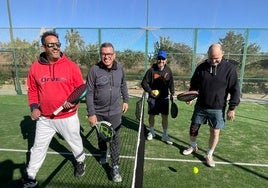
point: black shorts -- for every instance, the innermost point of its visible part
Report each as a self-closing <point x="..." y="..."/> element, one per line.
<point x="158" y="106"/>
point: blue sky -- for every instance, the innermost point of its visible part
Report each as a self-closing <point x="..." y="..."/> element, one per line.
<point x="132" y="13"/>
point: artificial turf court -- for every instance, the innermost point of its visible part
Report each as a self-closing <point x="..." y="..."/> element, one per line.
<point x="241" y="155"/>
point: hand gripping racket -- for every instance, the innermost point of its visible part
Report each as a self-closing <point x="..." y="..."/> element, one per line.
<point x="174" y="109"/>
<point x="78" y="93"/>
<point x="187" y="96"/>
<point x="105" y="130"/>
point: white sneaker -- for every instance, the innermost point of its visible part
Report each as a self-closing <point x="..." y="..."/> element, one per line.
<point x="150" y="136"/>
<point x="209" y="161"/>
<point x="190" y="150"/>
<point x="116" y="174"/>
<point x="165" y="138"/>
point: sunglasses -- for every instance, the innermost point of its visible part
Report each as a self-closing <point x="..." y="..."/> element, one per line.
<point x="161" y="58"/>
<point x="52" y="45"/>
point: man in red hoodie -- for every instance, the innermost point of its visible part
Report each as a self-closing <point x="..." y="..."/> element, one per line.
<point x="51" y="79"/>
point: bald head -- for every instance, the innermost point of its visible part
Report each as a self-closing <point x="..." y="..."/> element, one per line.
<point x="215" y="54"/>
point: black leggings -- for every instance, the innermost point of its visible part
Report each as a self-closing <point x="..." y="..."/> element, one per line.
<point x="115" y="142"/>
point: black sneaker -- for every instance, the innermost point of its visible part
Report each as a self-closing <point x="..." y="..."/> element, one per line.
<point x="80" y="169"/>
<point x="29" y="183"/>
<point x="116" y="174"/>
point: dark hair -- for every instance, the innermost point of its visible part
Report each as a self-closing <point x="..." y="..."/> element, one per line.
<point x="106" y="44"/>
<point x="48" y="33"/>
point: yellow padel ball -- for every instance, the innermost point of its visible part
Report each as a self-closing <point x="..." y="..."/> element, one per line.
<point x="156" y="92"/>
<point x="195" y="170"/>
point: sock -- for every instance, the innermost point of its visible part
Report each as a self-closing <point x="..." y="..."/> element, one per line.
<point x="152" y="130"/>
<point x="210" y="152"/>
<point x="194" y="144"/>
<point x="165" y="132"/>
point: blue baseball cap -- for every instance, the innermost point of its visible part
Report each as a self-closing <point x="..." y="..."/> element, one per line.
<point x="162" y="54"/>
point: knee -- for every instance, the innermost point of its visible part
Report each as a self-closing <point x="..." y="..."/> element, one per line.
<point x="194" y="128"/>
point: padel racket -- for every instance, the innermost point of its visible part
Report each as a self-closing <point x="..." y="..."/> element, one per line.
<point x="187" y="96"/>
<point x="174" y="109"/>
<point x="105" y="130"/>
<point x="78" y="93"/>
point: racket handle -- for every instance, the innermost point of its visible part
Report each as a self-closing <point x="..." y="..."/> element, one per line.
<point x="58" y="111"/>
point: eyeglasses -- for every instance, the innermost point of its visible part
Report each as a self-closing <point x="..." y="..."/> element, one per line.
<point x="161" y="58"/>
<point x="51" y="45"/>
<point x="106" y="54"/>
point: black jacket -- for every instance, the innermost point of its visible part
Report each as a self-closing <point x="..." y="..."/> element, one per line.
<point x="214" y="83"/>
<point x="160" y="80"/>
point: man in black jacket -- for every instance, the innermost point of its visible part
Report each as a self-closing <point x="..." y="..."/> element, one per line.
<point x="159" y="77"/>
<point x="214" y="79"/>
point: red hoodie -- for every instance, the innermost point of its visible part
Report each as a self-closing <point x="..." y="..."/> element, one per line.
<point x="49" y="85"/>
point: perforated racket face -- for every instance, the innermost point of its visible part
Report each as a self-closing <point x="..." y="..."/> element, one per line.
<point x="187" y="96"/>
<point x="78" y="94"/>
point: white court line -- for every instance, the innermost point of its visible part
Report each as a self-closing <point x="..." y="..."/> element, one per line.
<point x="147" y="158"/>
<point x="198" y="161"/>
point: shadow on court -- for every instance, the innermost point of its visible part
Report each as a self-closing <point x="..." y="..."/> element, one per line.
<point x="28" y="127"/>
<point x="60" y="172"/>
<point x="200" y="157"/>
<point x="6" y="173"/>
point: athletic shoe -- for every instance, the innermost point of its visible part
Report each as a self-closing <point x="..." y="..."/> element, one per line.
<point x="116" y="174"/>
<point x="150" y="136"/>
<point x="80" y="169"/>
<point x="165" y="138"/>
<point x="190" y="150"/>
<point x="209" y="161"/>
<point x="29" y="183"/>
<point x="103" y="158"/>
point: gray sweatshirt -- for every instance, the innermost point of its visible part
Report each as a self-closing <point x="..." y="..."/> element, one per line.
<point x="106" y="87"/>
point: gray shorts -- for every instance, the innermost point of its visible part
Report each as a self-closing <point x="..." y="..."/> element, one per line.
<point x="214" y="117"/>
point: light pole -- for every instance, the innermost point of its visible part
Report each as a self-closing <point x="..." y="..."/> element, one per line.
<point x="17" y="82"/>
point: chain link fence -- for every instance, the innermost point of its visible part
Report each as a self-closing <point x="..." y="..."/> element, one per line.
<point x="136" y="49"/>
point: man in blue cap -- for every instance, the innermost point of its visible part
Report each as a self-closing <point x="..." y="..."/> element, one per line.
<point x="159" y="77"/>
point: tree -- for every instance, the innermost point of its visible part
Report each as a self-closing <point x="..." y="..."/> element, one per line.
<point x="233" y="46"/>
<point x="179" y="54"/>
<point x="130" y="59"/>
<point x="74" y="45"/>
<point x="25" y="52"/>
<point x="89" y="55"/>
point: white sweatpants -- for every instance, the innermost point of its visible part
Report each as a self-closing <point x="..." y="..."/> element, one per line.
<point x="69" y="128"/>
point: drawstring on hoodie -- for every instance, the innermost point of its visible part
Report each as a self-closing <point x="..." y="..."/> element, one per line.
<point x="52" y="73"/>
<point x="215" y="69"/>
